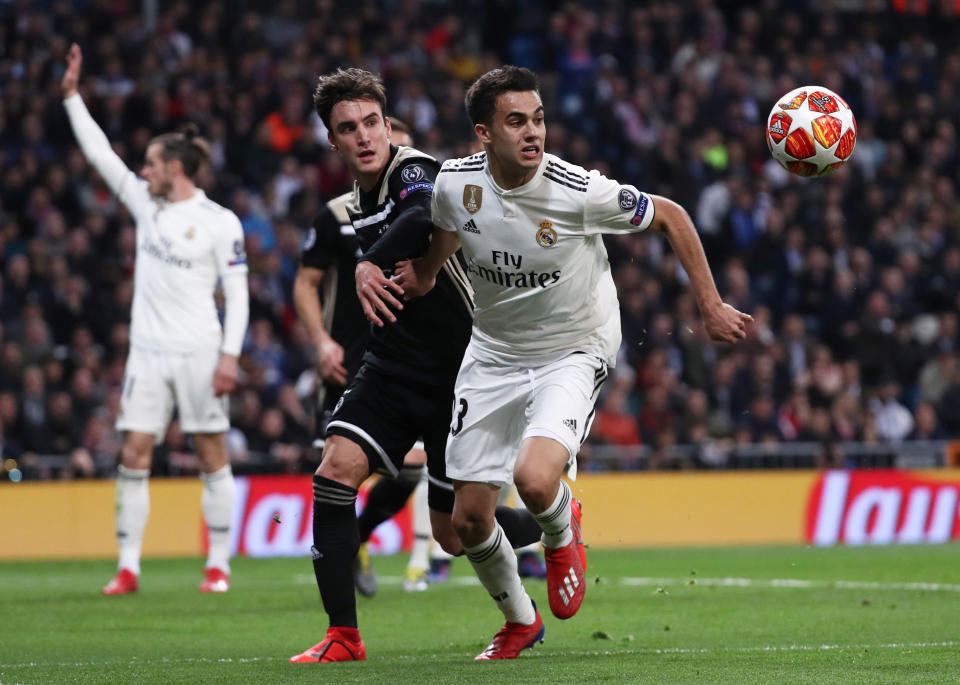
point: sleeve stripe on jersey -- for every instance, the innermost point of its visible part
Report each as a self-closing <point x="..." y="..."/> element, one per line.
<point x="563" y="173"/>
<point x="579" y="189"/>
<point x="478" y="167"/>
<point x="347" y="229"/>
<point x="567" y="173"/>
<point x="459" y="279"/>
<point x="374" y="218"/>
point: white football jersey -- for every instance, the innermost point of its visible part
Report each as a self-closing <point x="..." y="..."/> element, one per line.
<point x="536" y="257"/>
<point x="182" y="248"/>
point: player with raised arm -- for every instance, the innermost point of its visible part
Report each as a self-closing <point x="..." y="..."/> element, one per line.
<point x="179" y="355"/>
<point x="325" y="299"/>
<point x="546" y="330"/>
<point x="404" y="388"/>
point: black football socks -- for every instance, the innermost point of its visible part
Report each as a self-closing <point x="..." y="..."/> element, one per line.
<point x="335" y="544"/>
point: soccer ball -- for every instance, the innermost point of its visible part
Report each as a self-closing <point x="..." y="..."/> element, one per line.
<point x="811" y="131"/>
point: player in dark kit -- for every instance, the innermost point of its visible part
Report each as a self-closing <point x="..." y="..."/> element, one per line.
<point x="327" y="303"/>
<point x="404" y="388"/>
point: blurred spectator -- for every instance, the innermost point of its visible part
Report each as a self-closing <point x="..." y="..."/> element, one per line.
<point x="936" y="374"/>
<point x="894" y="421"/>
<point x="253" y="218"/>
<point x="614" y="424"/>
<point x="926" y="426"/>
<point x="656" y="416"/>
<point x="949" y="407"/>
<point x="853" y="280"/>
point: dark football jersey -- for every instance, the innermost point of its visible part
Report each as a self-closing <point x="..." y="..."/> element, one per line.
<point x="427" y="341"/>
<point x="331" y="245"/>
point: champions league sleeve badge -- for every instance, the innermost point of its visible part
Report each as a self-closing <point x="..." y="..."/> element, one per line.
<point x="627" y="200"/>
<point x="411" y="174"/>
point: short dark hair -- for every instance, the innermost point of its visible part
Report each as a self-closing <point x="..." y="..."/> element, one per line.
<point x="187" y="146"/>
<point x="347" y="84"/>
<point x="481" y="99"/>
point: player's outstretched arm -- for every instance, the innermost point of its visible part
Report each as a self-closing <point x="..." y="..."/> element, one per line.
<point x="92" y="139"/>
<point x="418" y="276"/>
<point x="723" y="322"/>
<point x="71" y="77"/>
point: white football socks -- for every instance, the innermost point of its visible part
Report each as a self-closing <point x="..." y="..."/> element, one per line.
<point x="555" y="521"/>
<point x="422" y="532"/>
<point x="496" y="567"/>
<point x="132" y="510"/>
<point x="217" y="502"/>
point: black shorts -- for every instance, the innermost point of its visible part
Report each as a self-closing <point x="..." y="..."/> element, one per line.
<point x="329" y="399"/>
<point x="386" y="415"/>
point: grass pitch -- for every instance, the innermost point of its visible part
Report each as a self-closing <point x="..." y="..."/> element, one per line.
<point x="751" y="615"/>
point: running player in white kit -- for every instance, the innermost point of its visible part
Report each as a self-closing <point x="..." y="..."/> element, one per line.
<point x="179" y="356"/>
<point x="546" y="330"/>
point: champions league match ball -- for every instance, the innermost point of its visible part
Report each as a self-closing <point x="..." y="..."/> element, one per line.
<point x="811" y="131"/>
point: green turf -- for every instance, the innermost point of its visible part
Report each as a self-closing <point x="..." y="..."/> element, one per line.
<point x="657" y="616"/>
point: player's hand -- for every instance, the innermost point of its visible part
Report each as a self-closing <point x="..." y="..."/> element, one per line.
<point x="226" y="374"/>
<point x="71" y="77"/>
<point x="410" y="275"/>
<point x="374" y="290"/>
<point x="330" y="362"/>
<point x="725" y="324"/>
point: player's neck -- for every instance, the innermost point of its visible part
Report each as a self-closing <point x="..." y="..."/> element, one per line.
<point x="368" y="182"/>
<point x="509" y="177"/>
<point x="183" y="189"/>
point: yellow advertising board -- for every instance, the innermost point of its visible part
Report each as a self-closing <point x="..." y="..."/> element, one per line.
<point x="650" y="509"/>
<point x="657" y="509"/>
<point x="74" y="520"/>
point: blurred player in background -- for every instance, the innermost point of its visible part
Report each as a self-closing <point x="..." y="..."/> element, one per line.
<point x="179" y="355"/>
<point x="327" y="303"/>
<point x="547" y="329"/>
<point x="404" y="388"/>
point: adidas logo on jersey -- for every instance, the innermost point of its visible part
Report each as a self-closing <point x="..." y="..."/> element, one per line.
<point x="571" y="424"/>
<point x="470" y="227"/>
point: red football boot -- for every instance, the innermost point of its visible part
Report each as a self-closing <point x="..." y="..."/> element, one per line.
<point x="512" y="639"/>
<point x="123" y="583"/>
<point x="214" y="580"/>
<point x="340" y="644"/>
<point x="566" y="584"/>
<point x="575" y="515"/>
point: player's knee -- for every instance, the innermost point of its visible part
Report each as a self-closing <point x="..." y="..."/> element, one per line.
<point x="471" y="526"/>
<point x="344" y="462"/>
<point x="449" y="541"/>
<point x="134" y="456"/>
<point x="536" y="490"/>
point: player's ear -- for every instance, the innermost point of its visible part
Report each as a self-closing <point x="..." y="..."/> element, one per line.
<point x="483" y="132"/>
<point x="330" y="139"/>
<point x="176" y="167"/>
<point x="386" y="125"/>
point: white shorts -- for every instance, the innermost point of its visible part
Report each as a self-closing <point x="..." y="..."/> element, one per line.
<point x="496" y="407"/>
<point x="153" y="382"/>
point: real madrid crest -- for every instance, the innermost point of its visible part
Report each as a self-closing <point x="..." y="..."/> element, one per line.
<point x="472" y="198"/>
<point x="546" y="236"/>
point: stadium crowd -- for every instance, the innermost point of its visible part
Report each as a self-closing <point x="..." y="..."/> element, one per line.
<point x="853" y="281"/>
